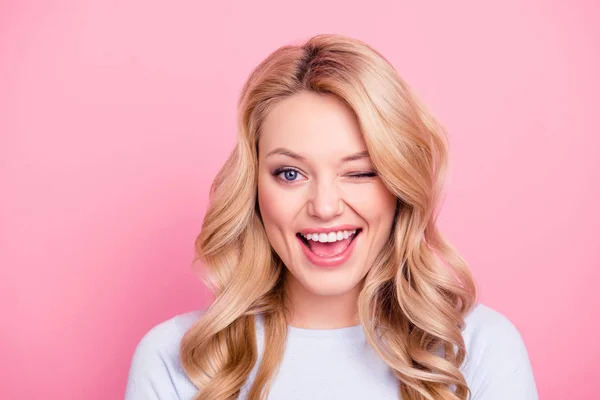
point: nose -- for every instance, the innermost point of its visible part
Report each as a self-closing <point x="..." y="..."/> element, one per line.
<point x="325" y="202"/>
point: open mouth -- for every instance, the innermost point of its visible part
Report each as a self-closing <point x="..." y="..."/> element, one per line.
<point x="329" y="249"/>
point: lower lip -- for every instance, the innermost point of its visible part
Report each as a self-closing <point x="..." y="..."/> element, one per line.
<point x="334" y="261"/>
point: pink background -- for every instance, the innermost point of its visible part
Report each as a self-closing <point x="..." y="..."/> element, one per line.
<point x="116" y="115"/>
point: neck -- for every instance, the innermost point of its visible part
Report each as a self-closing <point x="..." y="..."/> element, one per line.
<point x="314" y="311"/>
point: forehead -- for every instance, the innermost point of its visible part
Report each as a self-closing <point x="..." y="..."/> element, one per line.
<point x="317" y="126"/>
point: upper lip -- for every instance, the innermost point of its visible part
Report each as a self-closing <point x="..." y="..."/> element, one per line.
<point x="329" y="229"/>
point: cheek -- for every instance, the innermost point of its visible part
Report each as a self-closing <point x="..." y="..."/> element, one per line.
<point x="376" y="207"/>
<point x="266" y="200"/>
<point x="276" y="212"/>
<point x="386" y="204"/>
<point x="374" y="203"/>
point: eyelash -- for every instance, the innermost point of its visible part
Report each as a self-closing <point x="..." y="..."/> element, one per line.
<point x="279" y="171"/>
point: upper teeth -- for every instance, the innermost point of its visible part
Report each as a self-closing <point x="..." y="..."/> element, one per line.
<point x="329" y="237"/>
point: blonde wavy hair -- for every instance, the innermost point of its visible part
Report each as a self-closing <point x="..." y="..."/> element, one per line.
<point x="418" y="290"/>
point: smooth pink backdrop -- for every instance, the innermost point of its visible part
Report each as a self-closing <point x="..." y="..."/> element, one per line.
<point x="116" y="115"/>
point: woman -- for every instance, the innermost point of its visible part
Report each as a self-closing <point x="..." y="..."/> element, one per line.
<point x="331" y="278"/>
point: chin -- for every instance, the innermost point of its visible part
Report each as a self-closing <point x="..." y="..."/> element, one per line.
<point x="328" y="286"/>
<point x="329" y="290"/>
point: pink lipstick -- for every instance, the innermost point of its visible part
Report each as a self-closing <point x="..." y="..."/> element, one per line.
<point x="332" y="261"/>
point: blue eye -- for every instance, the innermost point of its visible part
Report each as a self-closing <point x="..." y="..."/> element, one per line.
<point x="288" y="174"/>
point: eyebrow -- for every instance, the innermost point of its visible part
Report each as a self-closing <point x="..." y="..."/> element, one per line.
<point x="289" y="153"/>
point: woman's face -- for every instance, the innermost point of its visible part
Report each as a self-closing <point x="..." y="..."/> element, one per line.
<point x="315" y="178"/>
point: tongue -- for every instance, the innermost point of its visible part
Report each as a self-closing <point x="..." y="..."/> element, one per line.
<point x="329" y="249"/>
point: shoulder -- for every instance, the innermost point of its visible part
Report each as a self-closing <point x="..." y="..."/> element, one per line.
<point x="155" y="371"/>
<point x="484" y="325"/>
<point x="497" y="365"/>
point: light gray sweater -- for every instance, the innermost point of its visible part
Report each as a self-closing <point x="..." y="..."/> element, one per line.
<point x="339" y="363"/>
